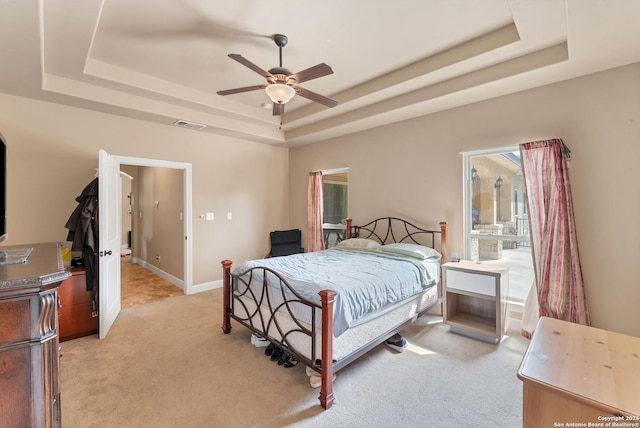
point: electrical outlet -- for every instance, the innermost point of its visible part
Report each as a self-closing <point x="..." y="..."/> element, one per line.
<point x="210" y="216"/>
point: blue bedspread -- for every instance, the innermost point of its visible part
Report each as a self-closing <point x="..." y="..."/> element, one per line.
<point x="365" y="280"/>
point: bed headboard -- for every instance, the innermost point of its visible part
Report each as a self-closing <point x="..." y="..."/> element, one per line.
<point x="387" y="230"/>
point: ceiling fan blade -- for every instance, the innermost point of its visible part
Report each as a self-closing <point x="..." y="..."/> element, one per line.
<point x="312" y="73"/>
<point x="238" y="90"/>
<point x="313" y="96"/>
<point x="242" y="60"/>
<point x="278" y="109"/>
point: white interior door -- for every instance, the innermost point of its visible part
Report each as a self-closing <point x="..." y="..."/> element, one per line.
<point x="109" y="201"/>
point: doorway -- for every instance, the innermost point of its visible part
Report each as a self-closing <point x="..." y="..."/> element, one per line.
<point x="496" y="219"/>
<point x="151" y="262"/>
<point x="110" y="220"/>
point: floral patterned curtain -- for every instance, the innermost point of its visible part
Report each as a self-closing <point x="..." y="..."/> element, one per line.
<point x="559" y="290"/>
<point x="315" y="208"/>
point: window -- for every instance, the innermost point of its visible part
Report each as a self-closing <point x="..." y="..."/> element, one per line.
<point x="335" y="186"/>
<point x="496" y="223"/>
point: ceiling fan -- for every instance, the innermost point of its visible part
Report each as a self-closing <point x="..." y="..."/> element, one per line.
<point x="282" y="84"/>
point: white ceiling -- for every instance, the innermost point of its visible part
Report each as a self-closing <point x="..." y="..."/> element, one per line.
<point x="164" y="60"/>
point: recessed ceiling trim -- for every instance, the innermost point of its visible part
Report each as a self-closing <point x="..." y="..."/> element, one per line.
<point x="456" y="54"/>
<point x="163" y="90"/>
<point x="379" y="111"/>
<point x="53" y="45"/>
<point x="116" y="99"/>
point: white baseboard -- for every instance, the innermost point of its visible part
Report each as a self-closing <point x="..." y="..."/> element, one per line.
<point x="212" y="285"/>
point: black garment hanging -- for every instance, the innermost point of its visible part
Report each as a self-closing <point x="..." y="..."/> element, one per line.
<point x="83" y="229"/>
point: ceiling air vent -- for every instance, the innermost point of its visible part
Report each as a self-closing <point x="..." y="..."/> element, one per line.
<point x="189" y="125"/>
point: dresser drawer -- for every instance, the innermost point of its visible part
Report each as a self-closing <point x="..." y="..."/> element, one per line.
<point x="76" y="321"/>
<point x="15" y="321"/>
<point x="73" y="291"/>
<point x="15" y="385"/>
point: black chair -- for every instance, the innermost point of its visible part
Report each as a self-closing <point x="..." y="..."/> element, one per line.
<point x="285" y="242"/>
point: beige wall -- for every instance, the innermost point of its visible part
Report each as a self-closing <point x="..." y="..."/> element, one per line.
<point x="414" y="169"/>
<point x="410" y="169"/>
<point x="159" y="227"/>
<point x="125" y="208"/>
<point x="53" y="153"/>
<point x="128" y="188"/>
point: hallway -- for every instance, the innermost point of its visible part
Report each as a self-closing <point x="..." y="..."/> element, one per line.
<point x="140" y="285"/>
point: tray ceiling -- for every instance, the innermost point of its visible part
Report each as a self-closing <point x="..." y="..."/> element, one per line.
<point x="164" y="60"/>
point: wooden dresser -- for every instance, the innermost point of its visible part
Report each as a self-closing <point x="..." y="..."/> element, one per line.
<point x="576" y="374"/>
<point x="29" y="376"/>
<point x="77" y="316"/>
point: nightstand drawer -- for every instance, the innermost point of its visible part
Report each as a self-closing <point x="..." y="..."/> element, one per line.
<point x="472" y="282"/>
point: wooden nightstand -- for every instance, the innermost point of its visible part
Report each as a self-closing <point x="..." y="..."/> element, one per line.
<point x="475" y="297"/>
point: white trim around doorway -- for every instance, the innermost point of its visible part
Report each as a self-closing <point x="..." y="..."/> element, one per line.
<point x="187" y="208"/>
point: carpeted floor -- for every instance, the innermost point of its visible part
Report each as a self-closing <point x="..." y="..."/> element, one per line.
<point x="168" y="364"/>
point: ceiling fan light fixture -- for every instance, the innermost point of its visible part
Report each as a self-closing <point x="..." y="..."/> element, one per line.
<point x="281" y="84"/>
<point x="280" y="93"/>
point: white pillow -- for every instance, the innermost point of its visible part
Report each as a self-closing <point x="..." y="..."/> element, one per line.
<point x="411" y="250"/>
<point x="358" y="243"/>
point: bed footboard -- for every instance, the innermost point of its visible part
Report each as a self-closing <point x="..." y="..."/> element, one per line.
<point x="263" y="324"/>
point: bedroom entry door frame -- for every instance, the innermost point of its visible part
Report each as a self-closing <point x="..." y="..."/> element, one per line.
<point x="110" y="217"/>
